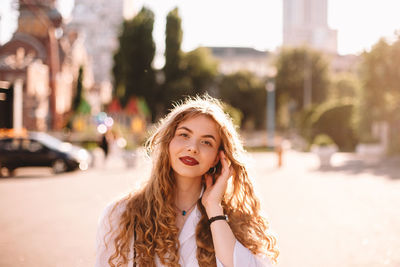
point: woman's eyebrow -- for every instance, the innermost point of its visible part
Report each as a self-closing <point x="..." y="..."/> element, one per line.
<point x="209" y="136"/>
<point x="185" y="128"/>
<point x="204" y="136"/>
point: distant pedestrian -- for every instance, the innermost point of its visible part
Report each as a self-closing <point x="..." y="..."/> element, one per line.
<point x="104" y="144"/>
<point x="115" y="158"/>
<point x="187" y="215"/>
<point x="279" y="154"/>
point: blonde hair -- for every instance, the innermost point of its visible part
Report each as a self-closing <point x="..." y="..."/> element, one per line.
<point x="150" y="213"/>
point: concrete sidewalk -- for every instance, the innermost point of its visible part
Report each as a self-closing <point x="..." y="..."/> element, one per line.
<point x="346" y="215"/>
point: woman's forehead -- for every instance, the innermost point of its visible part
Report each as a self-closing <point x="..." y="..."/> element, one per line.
<point x="201" y="124"/>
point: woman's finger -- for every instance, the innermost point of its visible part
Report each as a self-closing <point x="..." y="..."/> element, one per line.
<point x="208" y="180"/>
<point x="226" y="165"/>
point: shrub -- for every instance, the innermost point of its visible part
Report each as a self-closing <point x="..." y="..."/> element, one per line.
<point x="304" y="122"/>
<point x="335" y="119"/>
<point x="368" y="138"/>
<point x="323" y="140"/>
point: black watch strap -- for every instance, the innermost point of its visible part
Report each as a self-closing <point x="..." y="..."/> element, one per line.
<point x="217" y="218"/>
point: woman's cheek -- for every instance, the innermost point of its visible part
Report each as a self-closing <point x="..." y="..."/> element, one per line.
<point x="211" y="151"/>
<point x="179" y="142"/>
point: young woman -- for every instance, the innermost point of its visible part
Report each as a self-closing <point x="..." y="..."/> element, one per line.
<point x="198" y="207"/>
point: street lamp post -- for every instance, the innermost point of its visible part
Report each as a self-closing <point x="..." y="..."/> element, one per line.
<point x="307" y="82"/>
<point x="270" y="87"/>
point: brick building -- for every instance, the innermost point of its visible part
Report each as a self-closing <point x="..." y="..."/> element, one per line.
<point x="46" y="59"/>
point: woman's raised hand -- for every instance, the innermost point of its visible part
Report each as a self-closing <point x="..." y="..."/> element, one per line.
<point x="214" y="193"/>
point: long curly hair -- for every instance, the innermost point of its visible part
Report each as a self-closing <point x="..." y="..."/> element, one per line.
<point x="150" y="214"/>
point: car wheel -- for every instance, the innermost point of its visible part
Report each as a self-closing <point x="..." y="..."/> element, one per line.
<point x="6" y="172"/>
<point x="59" y="166"/>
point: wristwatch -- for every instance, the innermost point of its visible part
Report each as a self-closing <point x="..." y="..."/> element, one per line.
<point x="217" y="218"/>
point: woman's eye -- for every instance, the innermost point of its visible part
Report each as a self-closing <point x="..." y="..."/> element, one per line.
<point x="208" y="143"/>
<point x="183" y="134"/>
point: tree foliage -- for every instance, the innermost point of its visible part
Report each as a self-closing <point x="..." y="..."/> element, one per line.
<point x="186" y="74"/>
<point x="381" y="82"/>
<point x="245" y="91"/>
<point x="175" y="83"/>
<point x="344" y="85"/>
<point x="79" y="91"/>
<point x="334" y="119"/>
<point x="380" y="100"/>
<point x="198" y="73"/>
<point x="173" y="40"/>
<point x="201" y="68"/>
<point x="133" y="72"/>
<point x="292" y="66"/>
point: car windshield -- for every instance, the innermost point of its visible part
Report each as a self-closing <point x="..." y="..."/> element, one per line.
<point x="47" y="140"/>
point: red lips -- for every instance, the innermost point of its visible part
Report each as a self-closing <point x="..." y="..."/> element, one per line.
<point x="189" y="161"/>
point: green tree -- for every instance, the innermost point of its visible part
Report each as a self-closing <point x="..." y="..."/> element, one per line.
<point x="79" y="104"/>
<point x="186" y="74"/>
<point x="119" y="84"/>
<point x="294" y="66"/>
<point x="133" y="73"/>
<point x="201" y="68"/>
<point x="245" y="91"/>
<point x="175" y="83"/>
<point x="79" y="91"/>
<point x="173" y="40"/>
<point x="381" y="91"/>
<point x="381" y="79"/>
<point x="198" y="74"/>
<point x="345" y="85"/>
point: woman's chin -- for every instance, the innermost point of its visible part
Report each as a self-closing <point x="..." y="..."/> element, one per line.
<point x="188" y="175"/>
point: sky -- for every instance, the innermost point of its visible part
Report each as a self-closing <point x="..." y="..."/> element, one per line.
<point x="253" y="23"/>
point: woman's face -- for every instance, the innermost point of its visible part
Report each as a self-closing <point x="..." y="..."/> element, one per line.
<point x="193" y="149"/>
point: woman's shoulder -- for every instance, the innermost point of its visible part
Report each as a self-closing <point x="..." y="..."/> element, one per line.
<point x="107" y="230"/>
<point x="114" y="209"/>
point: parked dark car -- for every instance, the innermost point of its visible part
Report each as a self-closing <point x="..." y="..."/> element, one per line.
<point x="41" y="149"/>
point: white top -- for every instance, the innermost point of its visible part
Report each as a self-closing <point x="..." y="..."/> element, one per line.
<point x="242" y="257"/>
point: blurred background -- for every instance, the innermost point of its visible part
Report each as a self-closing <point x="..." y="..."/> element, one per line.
<point x="312" y="85"/>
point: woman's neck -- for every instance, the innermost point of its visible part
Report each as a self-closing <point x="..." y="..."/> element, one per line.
<point x="187" y="192"/>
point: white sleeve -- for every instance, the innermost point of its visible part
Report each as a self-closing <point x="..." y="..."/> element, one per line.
<point x="242" y="257"/>
<point x="104" y="238"/>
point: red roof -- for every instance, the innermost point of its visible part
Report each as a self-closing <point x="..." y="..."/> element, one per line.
<point x="132" y="107"/>
<point x="114" y="106"/>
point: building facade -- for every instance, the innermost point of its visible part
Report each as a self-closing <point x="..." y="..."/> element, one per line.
<point x="305" y="22"/>
<point x="44" y="60"/>
<point x="234" y="59"/>
<point x="99" y="22"/>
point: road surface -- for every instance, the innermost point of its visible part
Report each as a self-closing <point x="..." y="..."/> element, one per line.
<point x="347" y="215"/>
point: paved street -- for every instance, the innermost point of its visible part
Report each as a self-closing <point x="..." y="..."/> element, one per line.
<point x="347" y="215"/>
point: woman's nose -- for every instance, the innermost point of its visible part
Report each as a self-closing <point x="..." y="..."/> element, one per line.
<point x="192" y="147"/>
